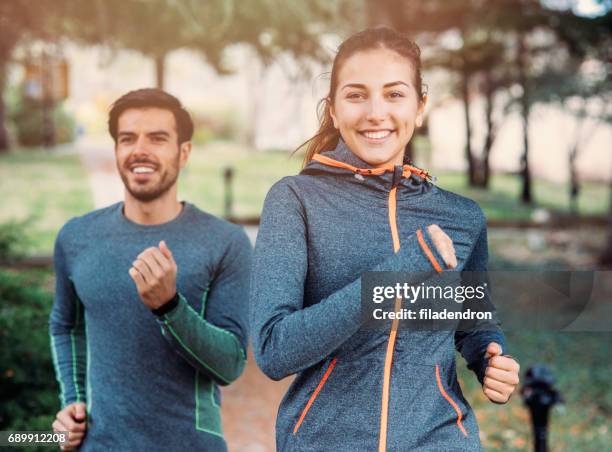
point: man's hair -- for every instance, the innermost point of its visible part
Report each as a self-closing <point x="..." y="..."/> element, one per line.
<point x="151" y="98"/>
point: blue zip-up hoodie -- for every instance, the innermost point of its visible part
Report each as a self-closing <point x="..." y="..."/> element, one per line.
<point x="361" y="390"/>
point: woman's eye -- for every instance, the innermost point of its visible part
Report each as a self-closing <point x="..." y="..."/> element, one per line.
<point x="396" y="94"/>
<point x="354" y="96"/>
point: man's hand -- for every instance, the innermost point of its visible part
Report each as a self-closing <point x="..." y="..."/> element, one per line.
<point x="501" y="375"/>
<point x="154" y="272"/>
<point x="443" y="244"/>
<point x="73" y="419"/>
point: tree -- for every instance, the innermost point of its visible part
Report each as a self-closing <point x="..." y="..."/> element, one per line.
<point x="18" y="23"/>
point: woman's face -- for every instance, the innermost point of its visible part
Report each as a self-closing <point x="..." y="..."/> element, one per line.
<point x="376" y="105"/>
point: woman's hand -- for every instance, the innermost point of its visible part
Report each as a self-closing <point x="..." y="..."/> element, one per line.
<point x="443" y="244"/>
<point x="501" y="375"/>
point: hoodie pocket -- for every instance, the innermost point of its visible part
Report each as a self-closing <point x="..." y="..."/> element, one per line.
<point x="314" y="395"/>
<point x="451" y="401"/>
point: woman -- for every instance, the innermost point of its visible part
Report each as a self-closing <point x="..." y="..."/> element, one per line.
<point x="354" y="208"/>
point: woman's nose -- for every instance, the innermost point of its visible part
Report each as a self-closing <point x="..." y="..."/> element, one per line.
<point x="376" y="110"/>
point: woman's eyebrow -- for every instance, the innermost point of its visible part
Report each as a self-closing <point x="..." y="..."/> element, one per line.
<point x="399" y="82"/>
<point x="354" y="85"/>
<point x="386" y="85"/>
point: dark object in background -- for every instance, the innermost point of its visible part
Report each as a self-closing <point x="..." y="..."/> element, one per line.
<point x="540" y="396"/>
<point x="228" y="175"/>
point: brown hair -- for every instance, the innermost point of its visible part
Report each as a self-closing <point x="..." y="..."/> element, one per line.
<point x="151" y="98"/>
<point x="327" y="136"/>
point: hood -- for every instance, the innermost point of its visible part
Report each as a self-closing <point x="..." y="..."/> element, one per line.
<point x="343" y="163"/>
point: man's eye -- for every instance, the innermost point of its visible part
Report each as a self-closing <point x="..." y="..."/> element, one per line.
<point x="125" y="140"/>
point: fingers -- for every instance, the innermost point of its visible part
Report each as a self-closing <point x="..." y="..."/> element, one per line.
<point x="166" y="251"/>
<point x="65" y="417"/>
<point x="80" y="411"/>
<point x="502" y="376"/>
<point x="443" y="244"/>
<point x="153" y="265"/>
<point x="504" y="363"/>
<point x="493" y="349"/>
<point x="495" y="396"/>
<point x="144" y="269"/>
<point x="498" y="385"/>
<point x="138" y="278"/>
<point x="72" y="420"/>
<point x="163" y="263"/>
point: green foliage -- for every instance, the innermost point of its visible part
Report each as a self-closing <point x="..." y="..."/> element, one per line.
<point x="28" y="390"/>
<point x="29" y="123"/>
<point x="215" y="125"/>
<point x="13" y="241"/>
<point x="41" y="191"/>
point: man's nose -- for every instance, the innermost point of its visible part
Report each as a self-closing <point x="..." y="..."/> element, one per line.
<point x="140" y="146"/>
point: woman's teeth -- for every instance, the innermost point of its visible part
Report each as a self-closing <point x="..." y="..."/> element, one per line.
<point x="142" y="170"/>
<point x="378" y="134"/>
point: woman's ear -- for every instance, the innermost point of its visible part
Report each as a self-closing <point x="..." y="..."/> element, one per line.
<point x="331" y="112"/>
<point x="421" y="111"/>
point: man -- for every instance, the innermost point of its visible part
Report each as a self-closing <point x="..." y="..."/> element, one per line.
<point x="150" y="309"/>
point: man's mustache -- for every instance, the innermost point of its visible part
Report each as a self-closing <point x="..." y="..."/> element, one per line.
<point x="134" y="162"/>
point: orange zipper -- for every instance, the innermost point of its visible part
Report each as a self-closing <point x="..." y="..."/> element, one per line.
<point x="384" y="409"/>
<point x="314" y="395"/>
<point x="407" y="170"/>
<point x="451" y="401"/>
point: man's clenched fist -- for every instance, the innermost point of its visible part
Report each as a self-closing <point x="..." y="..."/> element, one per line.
<point x="72" y="419"/>
<point x="154" y="272"/>
<point x="501" y="375"/>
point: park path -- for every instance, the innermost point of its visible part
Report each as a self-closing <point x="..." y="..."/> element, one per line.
<point x="249" y="405"/>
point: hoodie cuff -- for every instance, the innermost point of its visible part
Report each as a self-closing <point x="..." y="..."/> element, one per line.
<point x="417" y="253"/>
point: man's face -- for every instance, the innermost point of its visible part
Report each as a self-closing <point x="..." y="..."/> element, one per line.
<point x="148" y="155"/>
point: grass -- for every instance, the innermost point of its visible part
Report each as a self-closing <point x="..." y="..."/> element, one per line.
<point x="501" y="201"/>
<point x="43" y="189"/>
<point x="254" y="174"/>
<point x="581" y="363"/>
<point x="48" y="188"/>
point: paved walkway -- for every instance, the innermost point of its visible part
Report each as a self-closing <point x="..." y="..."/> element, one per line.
<point x="249" y="406"/>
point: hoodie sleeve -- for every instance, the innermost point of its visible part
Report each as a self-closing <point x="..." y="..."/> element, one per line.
<point x="67" y="330"/>
<point x="472" y="344"/>
<point x="287" y="337"/>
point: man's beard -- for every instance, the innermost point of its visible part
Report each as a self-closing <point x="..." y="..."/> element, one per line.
<point x="168" y="179"/>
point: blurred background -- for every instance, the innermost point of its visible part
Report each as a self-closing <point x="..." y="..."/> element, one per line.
<point x="519" y="118"/>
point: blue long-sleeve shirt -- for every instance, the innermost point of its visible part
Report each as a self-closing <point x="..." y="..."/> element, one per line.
<point x="150" y="383"/>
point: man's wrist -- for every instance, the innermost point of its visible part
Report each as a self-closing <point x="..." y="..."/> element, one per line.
<point x="167" y="307"/>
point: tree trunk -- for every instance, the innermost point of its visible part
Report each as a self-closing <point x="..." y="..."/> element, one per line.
<point x="526" y="192"/>
<point x="574" y="183"/>
<point x="605" y="258"/>
<point x="468" y="128"/>
<point x="160" y="66"/>
<point x="4" y="141"/>
<point x="490" y="134"/>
